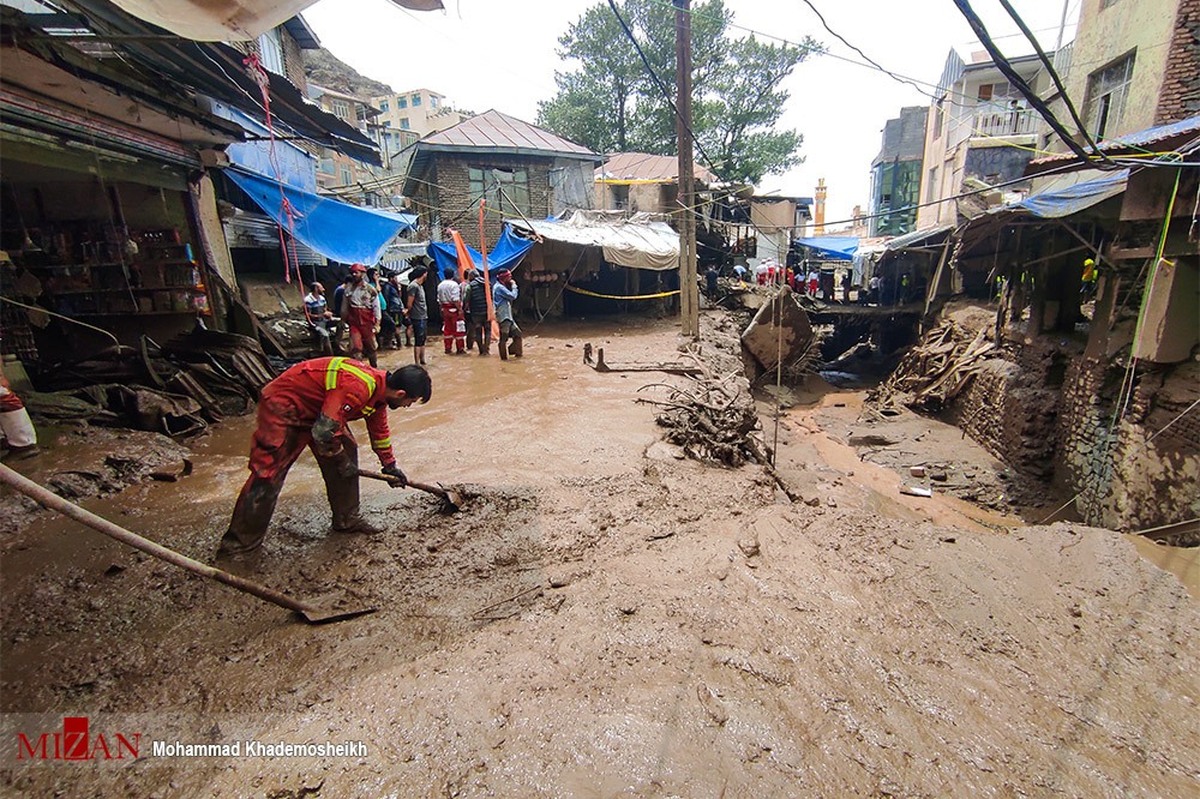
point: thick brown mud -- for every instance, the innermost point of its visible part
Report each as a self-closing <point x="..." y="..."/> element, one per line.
<point x="604" y="619"/>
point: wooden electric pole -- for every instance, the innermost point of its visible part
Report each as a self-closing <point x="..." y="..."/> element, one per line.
<point x="689" y="295"/>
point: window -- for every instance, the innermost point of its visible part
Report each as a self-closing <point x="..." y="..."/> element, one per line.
<point x="383" y="106"/>
<point x="506" y="191"/>
<point x="270" y="51"/>
<point x="340" y="108"/>
<point x="404" y="123"/>
<point x="931" y="186"/>
<point x="416" y="100"/>
<point x="327" y="166"/>
<point x="938" y="114"/>
<point x="402" y="102"/>
<point x="993" y="91"/>
<point x="1107" y="91"/>
<point x="347" y="176"/>
<point x="433" y="101"/>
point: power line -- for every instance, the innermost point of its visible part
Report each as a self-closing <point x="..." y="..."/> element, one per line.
<point x="1058" y="84"/>
<point x="1026" y="90"/>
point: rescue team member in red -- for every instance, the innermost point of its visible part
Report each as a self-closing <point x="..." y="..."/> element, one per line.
<point x="309" y="405"/>
<point x="360" y="310"/>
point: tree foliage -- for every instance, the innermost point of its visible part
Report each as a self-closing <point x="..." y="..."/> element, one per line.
<point x="611" y="103"/>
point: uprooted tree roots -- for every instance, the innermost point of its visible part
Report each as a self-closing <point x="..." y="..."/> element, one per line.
<point x="711" y="418"/>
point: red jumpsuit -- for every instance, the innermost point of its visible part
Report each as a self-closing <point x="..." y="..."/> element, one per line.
<point x="337" y="388"/>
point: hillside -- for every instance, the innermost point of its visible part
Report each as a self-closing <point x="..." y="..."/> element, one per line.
<point x="325" y="69"/>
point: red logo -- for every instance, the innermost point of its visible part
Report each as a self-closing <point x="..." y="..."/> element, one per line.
<point x="76" y="743"/>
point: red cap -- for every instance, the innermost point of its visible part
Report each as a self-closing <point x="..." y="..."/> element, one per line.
<point x="504" y="274"/>
<point x="357" y="268"/>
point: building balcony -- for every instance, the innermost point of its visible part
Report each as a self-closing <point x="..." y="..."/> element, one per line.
<point x="1001" y="121"/>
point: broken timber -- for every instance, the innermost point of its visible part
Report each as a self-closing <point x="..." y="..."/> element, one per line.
<point x="669" y="368"/>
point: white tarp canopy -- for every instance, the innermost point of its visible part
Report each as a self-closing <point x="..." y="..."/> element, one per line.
<point x="640" y="241"/>
<point x="230" y="20"/>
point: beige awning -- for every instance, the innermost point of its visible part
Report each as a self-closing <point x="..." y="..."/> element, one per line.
<point x="230" y="20"/>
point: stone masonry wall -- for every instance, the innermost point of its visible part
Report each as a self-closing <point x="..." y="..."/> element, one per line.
<point x="1180" y="94"/>
<point x="454" y="198"/>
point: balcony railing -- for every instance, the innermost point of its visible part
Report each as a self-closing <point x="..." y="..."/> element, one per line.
<point x="1004" y="120"/>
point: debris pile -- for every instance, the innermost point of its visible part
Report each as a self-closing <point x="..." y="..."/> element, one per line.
<point x="780" y="337"/>
<point x="712" y="418"/>
<point x="176" y="389"/>
<point x="936" y="370"/>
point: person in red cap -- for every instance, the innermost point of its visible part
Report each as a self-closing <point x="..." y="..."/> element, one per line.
<point x="309" y="405"/>
<point x="361" y="313"/>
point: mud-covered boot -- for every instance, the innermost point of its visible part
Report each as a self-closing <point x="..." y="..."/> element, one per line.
<point x="518" y="346"/>
<point x="251" y="517"/>
<point x="502" y="346"/>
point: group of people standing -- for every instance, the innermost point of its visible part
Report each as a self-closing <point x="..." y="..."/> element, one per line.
<point x="377" y="312"/>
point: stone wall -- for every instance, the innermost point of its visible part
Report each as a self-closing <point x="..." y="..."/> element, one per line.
<point x="1180" y="94"/>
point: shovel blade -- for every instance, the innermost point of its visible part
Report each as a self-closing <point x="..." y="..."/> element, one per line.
<point x="314" y="615"/>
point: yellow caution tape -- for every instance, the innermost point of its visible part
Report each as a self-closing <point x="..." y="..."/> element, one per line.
<point x="620" y="297"/>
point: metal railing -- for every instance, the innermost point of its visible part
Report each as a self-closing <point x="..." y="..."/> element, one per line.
<point x="994" y="119"/>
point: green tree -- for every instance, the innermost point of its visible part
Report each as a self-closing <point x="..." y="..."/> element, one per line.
<point x="610" y="102"/>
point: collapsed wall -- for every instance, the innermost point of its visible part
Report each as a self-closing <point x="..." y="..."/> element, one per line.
<point x="1047" y="407"/>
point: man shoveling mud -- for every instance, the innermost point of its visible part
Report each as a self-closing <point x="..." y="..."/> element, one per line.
<point x="309" y="405"/>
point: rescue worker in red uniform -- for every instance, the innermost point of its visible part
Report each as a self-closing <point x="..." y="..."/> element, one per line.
<point x="361" y="312"/>
<point x="310" y="405"/>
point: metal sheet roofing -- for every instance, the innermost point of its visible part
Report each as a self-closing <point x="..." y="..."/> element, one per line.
<point x="1130" y="143"/>
<point x="496" y="131"/>
<point x="918" y="237"/>
<point x="646" y="167"/>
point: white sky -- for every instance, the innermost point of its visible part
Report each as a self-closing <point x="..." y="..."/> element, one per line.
<point x="501" y="54"/>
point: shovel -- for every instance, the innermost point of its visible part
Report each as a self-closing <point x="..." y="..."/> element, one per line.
<point x="52" y="501"/>
<point x="452" y="501"/>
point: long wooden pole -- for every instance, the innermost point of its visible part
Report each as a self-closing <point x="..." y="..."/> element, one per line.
<point x="689" y="294"/>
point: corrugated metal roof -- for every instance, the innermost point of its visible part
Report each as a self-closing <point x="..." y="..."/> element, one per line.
<point x="493" y="130"/>
<point x="918" y="237"/>
<point x="647" y="166"/>
<point x="1139" y="141"/>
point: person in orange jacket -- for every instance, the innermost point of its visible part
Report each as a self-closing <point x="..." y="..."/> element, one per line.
<point x="309" y="405"/>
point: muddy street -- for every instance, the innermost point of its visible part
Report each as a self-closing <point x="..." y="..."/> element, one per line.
<point x="606" y="618"/>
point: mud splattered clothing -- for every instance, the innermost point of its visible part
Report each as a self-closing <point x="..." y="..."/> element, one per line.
<point x="361" y="312"/>
<point x="15" y="425"/>
<point x="454" y="328"/>
<point x="335" y="390"/>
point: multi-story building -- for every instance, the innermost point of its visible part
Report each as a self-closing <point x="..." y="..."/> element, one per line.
<point x="896" y="173"/>
<point x="1134" y="64"/>
<point x="351" y="179"/>
<point x="980" y="132"/>
<point x="419" y="110"/>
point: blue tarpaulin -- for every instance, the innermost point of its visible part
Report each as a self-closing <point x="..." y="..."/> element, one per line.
<point x="339" y="231"/>
<point x="839" y="248"/>
<point x="508" y="251"/>
<point x="1057" y="203"/>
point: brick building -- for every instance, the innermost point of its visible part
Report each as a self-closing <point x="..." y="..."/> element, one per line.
<point x="518" y="168"/>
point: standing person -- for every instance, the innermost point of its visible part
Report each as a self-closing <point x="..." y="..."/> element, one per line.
<point x="504" y="292"/>
<point x="710" y="281"/>
<point x="480" y="331"/>
<point x="318" y="315"/>
<point x="339" y="295"/>
<point x="454" y="333"/>
<point x="760" y="273"/>
<point x="393" y="313"/>
<point x="15" y="426"/>
<point x="464" y="291"/>
<point x="309" y="405"/>
<point x="814" y="282"/>
<point x="417" y="310"/>
<point x="360" y="312"/>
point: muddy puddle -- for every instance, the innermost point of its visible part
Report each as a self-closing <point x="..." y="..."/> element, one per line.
<point x="604" y="619"/>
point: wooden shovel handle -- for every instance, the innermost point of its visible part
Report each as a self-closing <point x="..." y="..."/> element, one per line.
<point x="438" y="490"/>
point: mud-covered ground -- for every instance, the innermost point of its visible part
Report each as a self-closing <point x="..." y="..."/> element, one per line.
<point x="605" y="619"/>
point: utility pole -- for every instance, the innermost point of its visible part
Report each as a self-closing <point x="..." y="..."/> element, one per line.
<point x="689" y="295"/>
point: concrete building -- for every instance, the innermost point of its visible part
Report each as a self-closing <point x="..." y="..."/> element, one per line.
<point x="896" y="173"/>
<point x="980" y="132"/>
<point x="1133" y="65"/>
<point x="642" y="182"/>
<point x="419" y="110"/>
<point x="354" y="180"/>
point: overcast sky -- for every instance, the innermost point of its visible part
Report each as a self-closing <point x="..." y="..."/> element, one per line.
<point x="501" y="54"/>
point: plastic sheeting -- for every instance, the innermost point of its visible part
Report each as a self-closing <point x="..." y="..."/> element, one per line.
<point x="839" y="248"/>
<point x="1057" y="203"/>
<point x="638" y="242"/>
<point x="339" y="231"/>
<point x="507" y="253"/>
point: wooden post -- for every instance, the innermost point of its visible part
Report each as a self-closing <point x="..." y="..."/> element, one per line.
<point x="689" y="296"/>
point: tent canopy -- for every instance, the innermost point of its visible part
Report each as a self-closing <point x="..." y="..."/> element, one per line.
<point x="839" y="248"/>
<point x="638" y="242"/>
<point x="1056" y="203"/>
<point x="509" y="250"/>
<point x="339" y="231"/>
